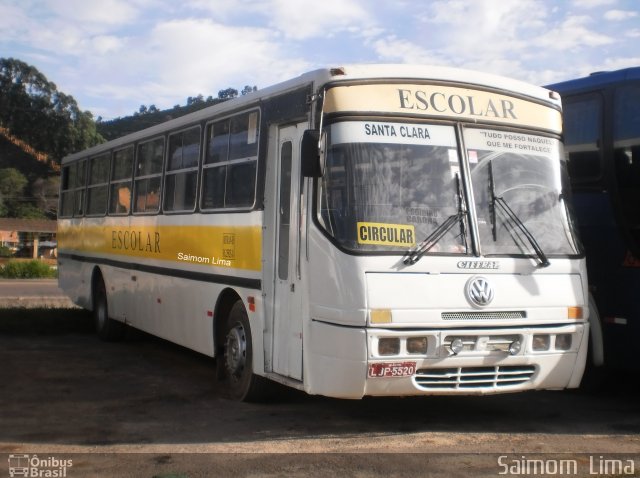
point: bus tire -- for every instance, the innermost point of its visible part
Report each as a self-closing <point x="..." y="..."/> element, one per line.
<point x="237" y="359"/>
<point x="108" y="329"/>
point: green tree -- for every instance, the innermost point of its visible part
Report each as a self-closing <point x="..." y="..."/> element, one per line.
<point x="45" y="192"/>
<point x="33" y="109"/>
<point x="27" y="211"/>
<point x="194" y="100"/>
<point x="248" y="89"/>
<point x="12" y="186"/>
<point x="227" y="94"/>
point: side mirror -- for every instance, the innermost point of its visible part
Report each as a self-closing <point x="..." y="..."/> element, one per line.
<point x="311" y="153"/>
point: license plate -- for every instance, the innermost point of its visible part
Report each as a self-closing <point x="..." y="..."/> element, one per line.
<point x="392" y="369"/>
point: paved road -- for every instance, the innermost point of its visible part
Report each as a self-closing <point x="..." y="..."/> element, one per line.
<point x="144" y="407"/>
<point x="32" y="293"/>
<point x="29" y="288"/>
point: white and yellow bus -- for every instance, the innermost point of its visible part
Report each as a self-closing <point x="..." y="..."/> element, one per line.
<point x="364" y="230"/>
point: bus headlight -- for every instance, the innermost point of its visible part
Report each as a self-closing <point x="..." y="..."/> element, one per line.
<point x="515" y="347"/>
<point x="541" y="343"/>
<point x="563" y="341"/>
<point x="389" y="346"/>
<point x="417" y="345"/>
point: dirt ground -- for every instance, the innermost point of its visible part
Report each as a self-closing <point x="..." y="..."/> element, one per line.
<point x="145" y="407"/>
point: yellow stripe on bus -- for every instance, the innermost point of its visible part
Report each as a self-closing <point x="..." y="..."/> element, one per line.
<point x="236" y="247"/>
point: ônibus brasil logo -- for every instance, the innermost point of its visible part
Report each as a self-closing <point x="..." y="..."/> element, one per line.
<point x="33" y="466"/>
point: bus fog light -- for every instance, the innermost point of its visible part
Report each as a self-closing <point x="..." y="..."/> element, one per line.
<point x="457" y="345"/>
<point x="417" y="345"/>
<point x="563" y="341"/>
<point x="389" y="346"/>
<point x="541" y="342"/>
<point x="515" y="347"/>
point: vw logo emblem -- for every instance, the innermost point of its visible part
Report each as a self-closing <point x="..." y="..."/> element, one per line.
<point x="479" y="291"/>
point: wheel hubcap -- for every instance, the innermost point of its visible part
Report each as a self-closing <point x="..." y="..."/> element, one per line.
<point x="236" y="350"/>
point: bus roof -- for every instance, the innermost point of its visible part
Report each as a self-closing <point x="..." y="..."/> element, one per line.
<point x="392" y="72"/>
<point x="430" y="73"/>
<point x="596" y="80"/>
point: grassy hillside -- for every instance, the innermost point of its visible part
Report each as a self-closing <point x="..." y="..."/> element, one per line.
<point x="13" y="156"/>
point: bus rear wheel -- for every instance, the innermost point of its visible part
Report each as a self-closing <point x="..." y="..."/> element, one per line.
<point x="241" y="382"/>
<point x="107" y="328"/>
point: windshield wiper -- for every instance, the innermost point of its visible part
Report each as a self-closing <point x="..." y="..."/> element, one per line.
<point x="504" y="207"/>
<point x="415" y="253"/>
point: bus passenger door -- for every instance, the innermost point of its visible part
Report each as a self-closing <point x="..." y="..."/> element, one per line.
<point x="287" y="319"/>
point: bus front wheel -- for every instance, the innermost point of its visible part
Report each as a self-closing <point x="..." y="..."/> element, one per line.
<point x="107" y="328"/>
<point x="242" y="383"/>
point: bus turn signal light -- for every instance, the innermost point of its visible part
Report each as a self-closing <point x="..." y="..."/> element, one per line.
<point x="574" y="312"/>
<point x="380" y="316"/>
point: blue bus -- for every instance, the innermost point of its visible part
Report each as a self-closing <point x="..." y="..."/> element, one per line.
<point x="602" y="142"/>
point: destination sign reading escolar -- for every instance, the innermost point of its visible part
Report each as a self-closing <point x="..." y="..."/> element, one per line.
<point x="443" y="101"/>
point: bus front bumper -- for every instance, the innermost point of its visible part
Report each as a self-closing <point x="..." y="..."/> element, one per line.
<point x="348" y="362"/>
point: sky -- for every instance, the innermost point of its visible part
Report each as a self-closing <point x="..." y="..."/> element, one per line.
<point x="113" y="56"/>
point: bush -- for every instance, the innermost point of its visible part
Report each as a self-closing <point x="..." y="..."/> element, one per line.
<point x="5" y="251"/>
<point x="26" y="270"/>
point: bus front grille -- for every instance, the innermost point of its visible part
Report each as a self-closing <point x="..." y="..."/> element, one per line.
<point x="465" y="378"/>
<point x="506" y="315"/>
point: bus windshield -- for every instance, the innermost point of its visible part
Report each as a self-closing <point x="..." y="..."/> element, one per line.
<point x="527" y="173"/>
<point x="389" y="186"/>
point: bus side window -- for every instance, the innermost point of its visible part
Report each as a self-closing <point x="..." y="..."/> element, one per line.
<point x="98" y="187"/>
<point x="230" y="163"/>
<point x="81" y="178"/>
<point x="148" y="176"/>
<point x="583" y="138"/>
<point x="66" y="194"/>
<point x="124" y="200"/>
<point x="181" y="176"/>
<point x="626" y="142"/>
<point x="120" y="188"/>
